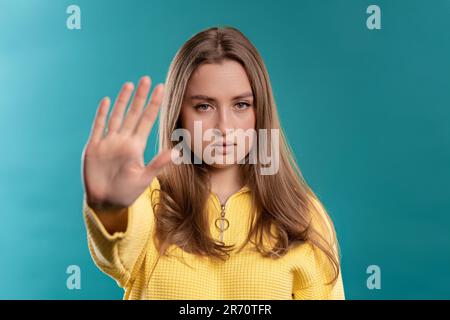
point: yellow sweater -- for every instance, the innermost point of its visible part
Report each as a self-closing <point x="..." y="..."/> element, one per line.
<point x="132" y="260"/>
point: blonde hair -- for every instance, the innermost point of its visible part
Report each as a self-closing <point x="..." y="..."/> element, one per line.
<point x="284" y="202"/>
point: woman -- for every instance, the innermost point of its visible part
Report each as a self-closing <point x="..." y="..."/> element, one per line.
<point x="205" y="229"/>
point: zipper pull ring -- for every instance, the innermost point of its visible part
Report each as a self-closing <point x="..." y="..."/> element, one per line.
<point x="224" y="223"/>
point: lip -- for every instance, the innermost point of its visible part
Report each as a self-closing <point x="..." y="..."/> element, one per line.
<point x="224" y="148"/>
<point x="224" y="145"/>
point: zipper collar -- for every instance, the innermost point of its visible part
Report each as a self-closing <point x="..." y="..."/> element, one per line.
<point x="244" y="189"/>
<point x="222" y="220"/>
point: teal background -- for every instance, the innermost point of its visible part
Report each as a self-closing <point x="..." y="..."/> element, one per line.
<point x="367" y="113"/>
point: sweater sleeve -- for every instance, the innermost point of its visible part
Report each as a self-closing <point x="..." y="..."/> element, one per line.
<point x="311" y="278"/>
<point x="115" y="254"/>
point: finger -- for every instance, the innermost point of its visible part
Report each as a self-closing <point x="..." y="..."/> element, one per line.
<point x="98" y="127"/>
<point x="137" y="104"/>
<point x="158" y="162"/>
<point x="120" y="105"/>
<point x="150" y="113"/>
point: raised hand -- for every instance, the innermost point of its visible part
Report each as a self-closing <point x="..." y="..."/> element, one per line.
<point x="114" y="172"/>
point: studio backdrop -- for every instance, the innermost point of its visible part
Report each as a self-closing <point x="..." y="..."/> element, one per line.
<point x="362" y="89"/>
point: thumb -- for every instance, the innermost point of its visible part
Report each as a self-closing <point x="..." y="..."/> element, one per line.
<point x="158" y="162"/>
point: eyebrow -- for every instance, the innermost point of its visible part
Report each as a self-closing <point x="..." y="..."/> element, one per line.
<point x="207" y="98"/>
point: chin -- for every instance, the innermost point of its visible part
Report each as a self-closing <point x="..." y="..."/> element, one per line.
<point x="221" y="166"/>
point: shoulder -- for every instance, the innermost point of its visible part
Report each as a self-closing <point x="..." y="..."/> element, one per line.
<point x="311" y="265"/>
<point x="321" y="220"/>
<point x="309" y="257"/>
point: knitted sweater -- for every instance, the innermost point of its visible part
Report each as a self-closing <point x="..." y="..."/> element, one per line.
<point x="131" y="259"/>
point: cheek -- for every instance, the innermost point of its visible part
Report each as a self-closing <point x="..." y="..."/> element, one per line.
<point x="186" y="122"/>
<point x="251" y="124"/>
<point x="185" y="118"/>
<point x="188" y="119"/>
<point x="247" y="120"/>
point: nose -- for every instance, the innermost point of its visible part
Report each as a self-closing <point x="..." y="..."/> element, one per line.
<point x="224" y="122"/>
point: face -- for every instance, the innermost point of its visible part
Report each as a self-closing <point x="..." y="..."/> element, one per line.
<point x="220" y="98"/>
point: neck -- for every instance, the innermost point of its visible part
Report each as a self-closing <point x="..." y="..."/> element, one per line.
<point x="225" y="181"/>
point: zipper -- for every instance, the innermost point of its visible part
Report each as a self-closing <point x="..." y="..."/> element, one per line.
<point x="222" y="223"/>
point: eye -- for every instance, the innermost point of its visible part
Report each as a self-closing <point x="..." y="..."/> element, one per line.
<point x="242" y="105"/>
<point x="202" y="107"/>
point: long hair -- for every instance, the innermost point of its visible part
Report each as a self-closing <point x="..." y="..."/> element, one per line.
<point x="287" y="210"/>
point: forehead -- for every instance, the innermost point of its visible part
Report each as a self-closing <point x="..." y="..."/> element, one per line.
<point x="219" y="80"/>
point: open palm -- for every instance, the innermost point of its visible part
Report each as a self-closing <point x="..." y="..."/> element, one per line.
<point x="114" y="171"/>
